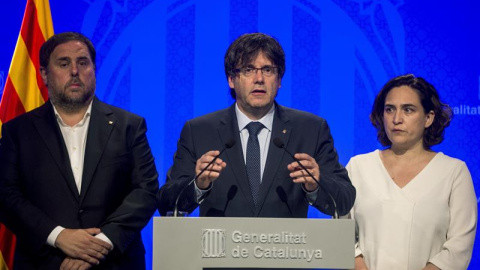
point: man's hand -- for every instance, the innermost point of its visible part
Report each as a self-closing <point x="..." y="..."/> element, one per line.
<point x="74" y="264"/>
<point x="82" y="244"/>
<point x="299" y="175"/>
<point x="212" y="172"/>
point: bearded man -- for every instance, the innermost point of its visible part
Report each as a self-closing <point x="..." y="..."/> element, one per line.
<point x="78" y="180"/>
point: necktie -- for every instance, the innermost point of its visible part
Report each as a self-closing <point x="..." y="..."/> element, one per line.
<point x="253" y="159"/>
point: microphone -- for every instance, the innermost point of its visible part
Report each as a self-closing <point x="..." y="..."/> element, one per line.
<point x="279" y="143"/>
<point x="284" y="198"/>
<point x="230" y="143"/>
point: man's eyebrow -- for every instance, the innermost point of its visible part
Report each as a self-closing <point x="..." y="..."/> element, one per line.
<point x="63" y="58"/>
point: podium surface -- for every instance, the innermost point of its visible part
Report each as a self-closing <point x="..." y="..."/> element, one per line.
<point x="194" y="243"/>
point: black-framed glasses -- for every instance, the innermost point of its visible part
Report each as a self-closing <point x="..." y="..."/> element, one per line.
<point x="267" y="71"/>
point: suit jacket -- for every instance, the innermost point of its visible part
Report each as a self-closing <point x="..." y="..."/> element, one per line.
<point x="230" y="194"/>
<point x="38" y="191"/>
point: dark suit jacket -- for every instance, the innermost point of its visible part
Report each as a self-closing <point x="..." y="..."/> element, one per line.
<point x="38" y="191"/>
<point x="230" y="195"/>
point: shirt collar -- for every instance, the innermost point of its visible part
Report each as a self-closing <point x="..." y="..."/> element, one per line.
<point x="266" y="120"/>
<point x="79" y="124"/>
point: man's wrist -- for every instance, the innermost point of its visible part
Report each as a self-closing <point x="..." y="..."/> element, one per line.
<point x="52" y="237"/>
<point x="104" y="238"/>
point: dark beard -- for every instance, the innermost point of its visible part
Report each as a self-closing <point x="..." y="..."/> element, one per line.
<point x="72" y="105"/>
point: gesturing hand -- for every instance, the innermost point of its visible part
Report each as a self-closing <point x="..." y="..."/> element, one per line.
<point x="82" y="244"/>
<point x="299" y="175"/>
<point x="212" y="172"/>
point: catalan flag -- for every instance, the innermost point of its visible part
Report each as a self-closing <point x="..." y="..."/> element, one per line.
<point x="24" y="89"/>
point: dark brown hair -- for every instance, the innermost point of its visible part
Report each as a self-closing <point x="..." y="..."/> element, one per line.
<point x="49" y="46"/>
<point x="245" y="48"/>
<point x="430" y="101"/>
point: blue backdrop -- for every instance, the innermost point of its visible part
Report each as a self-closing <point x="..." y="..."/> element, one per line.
<point x="164" y="60"/>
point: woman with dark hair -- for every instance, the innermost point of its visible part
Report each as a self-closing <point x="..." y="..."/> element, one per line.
<point x="415" y="208"/>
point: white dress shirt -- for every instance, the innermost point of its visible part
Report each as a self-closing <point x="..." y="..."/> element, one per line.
<point x="75" y="138"/>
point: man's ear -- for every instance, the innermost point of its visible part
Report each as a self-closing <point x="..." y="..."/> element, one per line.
<point x="230" y="82"/>
<point x="43" y="73"/>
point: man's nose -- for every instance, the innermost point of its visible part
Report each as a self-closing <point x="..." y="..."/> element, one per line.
<point x="259" y="77"/>
<point x="74" y="69"/>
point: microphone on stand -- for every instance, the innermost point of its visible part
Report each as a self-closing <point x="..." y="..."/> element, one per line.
<point x="279" y="143"/>
<point x="230" y="143"/>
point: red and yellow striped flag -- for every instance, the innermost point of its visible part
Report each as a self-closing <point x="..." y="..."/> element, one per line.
<point x="24" y="89"/>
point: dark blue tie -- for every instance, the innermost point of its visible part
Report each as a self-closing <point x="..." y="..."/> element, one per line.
<point x="253" y="159"/>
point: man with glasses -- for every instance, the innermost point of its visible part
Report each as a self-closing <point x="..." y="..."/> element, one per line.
<point x="231" y="162"/>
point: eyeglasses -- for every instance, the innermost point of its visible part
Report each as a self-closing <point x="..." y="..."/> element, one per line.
<point x="267" y="71"/>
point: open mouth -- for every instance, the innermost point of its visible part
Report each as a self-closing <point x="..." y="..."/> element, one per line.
<point x="259" y="91"/>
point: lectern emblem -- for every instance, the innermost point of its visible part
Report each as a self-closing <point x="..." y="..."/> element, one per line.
<point x="213" y="243"/>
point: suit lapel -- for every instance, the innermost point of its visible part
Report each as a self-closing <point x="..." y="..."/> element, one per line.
<point x="101" y="125"/>
<point x="280" y="129"/>
<point x="48" y="129"/>
<point x="234" y="156"/>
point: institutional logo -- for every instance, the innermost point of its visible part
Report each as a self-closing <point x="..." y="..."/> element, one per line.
<point x="213" y="243"/>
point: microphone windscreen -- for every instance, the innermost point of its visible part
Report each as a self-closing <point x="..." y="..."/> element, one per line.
<point x="230" y="143"/>
<point x="278" y="142"/>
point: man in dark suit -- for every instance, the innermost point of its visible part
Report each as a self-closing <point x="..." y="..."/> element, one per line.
<point x="254" y="177"/>
<point x="78" y="180"/>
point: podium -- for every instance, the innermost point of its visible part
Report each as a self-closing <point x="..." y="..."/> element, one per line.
<point x="196" y="243"/>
